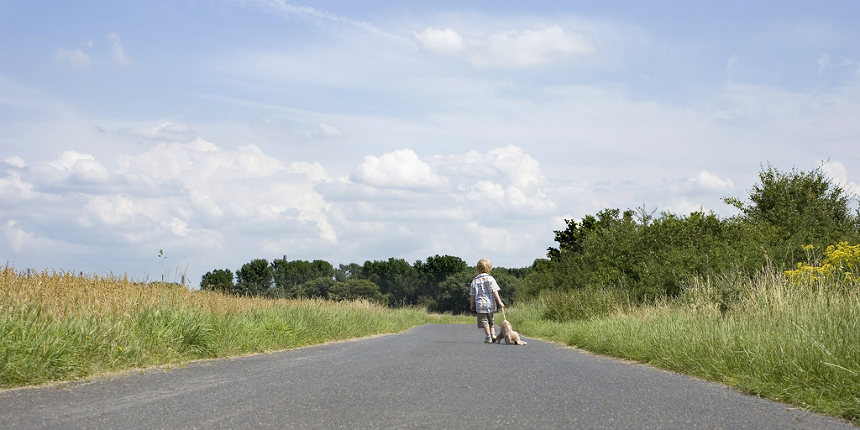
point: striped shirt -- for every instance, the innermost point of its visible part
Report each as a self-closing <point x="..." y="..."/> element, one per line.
<point x="482" y="288"/>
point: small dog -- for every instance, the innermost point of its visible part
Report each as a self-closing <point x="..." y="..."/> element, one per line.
<point x="511" y="337"/>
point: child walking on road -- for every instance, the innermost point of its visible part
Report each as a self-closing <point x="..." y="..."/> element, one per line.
<point x="483" y="296"/>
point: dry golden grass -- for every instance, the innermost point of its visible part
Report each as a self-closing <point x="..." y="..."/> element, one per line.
<point x="63" y="293"/>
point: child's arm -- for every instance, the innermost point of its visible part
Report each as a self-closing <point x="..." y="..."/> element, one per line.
<point x="498" y="299"/>
<point x="472" y="302"/>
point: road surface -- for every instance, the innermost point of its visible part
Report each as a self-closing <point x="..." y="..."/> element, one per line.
<point x="431" y="376"/>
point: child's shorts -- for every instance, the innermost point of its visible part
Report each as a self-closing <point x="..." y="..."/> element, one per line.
<point x="485" y="320"/>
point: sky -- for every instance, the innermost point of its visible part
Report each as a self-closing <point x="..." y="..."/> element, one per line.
<point x="160" y="138"/>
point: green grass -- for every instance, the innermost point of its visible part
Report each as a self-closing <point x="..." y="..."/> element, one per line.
<point x="798" y="344"/>
<point x="36" y="347"/>
<point x="62" y="326"/>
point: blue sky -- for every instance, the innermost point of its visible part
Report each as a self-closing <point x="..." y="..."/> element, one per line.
<point x="223" y="131"/>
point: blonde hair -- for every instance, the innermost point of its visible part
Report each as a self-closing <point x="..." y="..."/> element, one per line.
<point x="484" y="266"/>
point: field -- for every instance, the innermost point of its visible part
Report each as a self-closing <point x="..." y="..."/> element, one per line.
<point x="63" y="326"/>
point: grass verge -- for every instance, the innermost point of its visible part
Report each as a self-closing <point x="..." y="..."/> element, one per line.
<point x="794" y="343"/>
<point x="62" y="326"/>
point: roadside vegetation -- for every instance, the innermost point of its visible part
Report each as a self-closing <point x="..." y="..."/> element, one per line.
<point x="797" y="342"/>
<point x="63" y="326"/>
<point x="767" y="302"/>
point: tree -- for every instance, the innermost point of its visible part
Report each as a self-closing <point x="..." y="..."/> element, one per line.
<point x="804" y="207"/>
<point x="571" y="238"/>
<point x="434" y="271"/>
<point x="289" y="275"/>
<point x="396" y="278"/>
<point x="355" y="289"/>
<point x="254" y="278"/>
<point x="217" y="280"/>
<point x="317" y="288"/>
<point x="454" y="293"/>
<point x="345" y="272"/>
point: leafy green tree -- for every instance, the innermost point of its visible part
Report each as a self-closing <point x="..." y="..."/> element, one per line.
<point x="345" y="272"/>
<point x="395" y="278"/>
<point x="453" y="294"/>
<point x="571" y="238"/>
<point x="317" y="288"/>
<point x="254" y="278"/>
<point x="649" y="256"/>
<point x="801" y="208"/>
<point x="434" y="271"/>
<point x="290" y="275"/>
<point x="355" y="289"/>
<point x="217" y="280"/>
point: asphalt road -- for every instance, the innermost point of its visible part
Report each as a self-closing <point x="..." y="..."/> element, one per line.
<point x="432" y="376"/>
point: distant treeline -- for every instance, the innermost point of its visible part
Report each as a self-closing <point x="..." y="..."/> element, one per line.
<point x="631" y="251"/>
<point x="440" y="283"/>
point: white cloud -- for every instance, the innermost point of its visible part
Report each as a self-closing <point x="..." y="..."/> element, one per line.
<point x="15" y="161"/>
<point x="486" y="190"/>
<point x="681" y="206"/>
<point x="77" y="59"/>
<point x="709" y="182"/>
<point x="327" y="131"/>
<point x="509" y="49"/>
<point x="286" y="10"/>
<point x="173" y="191"/>
<point x="22" y="242"/>
<point x="498" y="239"/>
<point x="118" y="52"/>
<point x="399" y="169"/>
<point x="164" y="131"/>
<point x="314" y="171"/>
<point x="837" y="172"/>
<point x="445" y="41"/>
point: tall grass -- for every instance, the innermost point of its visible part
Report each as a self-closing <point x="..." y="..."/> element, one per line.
<point x="797" y="343"/>
<point x="60" y="326"/>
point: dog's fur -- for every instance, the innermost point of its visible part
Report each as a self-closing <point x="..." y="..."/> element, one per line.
<point x="511" y="337"/>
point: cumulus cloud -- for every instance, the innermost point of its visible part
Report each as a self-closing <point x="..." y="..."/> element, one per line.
<point x="509" y="49"/>
<point x="464" y="204"/>
<point x="496" y="238"/>
<point x="77" y="59"/>
<point x="837" y="172"/>
<point x="186" y="192"/>
<point x="507" y="178"/>
<point x="681" y="206"/>
<point x="710" y="182"/>
<point x="399" y="169"/>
